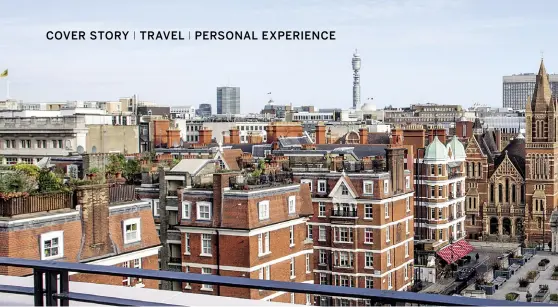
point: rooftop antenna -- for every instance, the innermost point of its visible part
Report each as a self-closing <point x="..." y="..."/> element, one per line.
<point x="542" y="55"/>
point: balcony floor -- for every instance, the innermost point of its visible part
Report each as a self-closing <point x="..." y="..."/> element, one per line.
<point x="141" y="294"/>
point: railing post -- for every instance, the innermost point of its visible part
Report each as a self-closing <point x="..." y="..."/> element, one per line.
<point x="64" y="288"/>
<point x="51" y="288"/>
<point x="38" y="287"/>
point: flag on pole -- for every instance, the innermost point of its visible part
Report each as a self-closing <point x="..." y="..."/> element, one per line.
<point x="4" y="74"/>
<point x="269" y="93"/>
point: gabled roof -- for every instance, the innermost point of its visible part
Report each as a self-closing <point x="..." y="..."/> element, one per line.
<point x="487" y="143"/>
<point x="229" y="158"/>
<point x="347" y="182"/>
<point x="191" y="166"/>
<point x="515" y="152"/>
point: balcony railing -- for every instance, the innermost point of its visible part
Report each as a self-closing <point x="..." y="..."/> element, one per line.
<point x="262" y="181"/>
<point x="343" y="213"/>
<point x="35" y="203"/>
<point x="47" y="289"/>
<point x="122" y="193"/>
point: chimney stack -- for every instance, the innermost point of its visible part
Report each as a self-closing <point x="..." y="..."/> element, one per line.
<point x="363" y="135"/>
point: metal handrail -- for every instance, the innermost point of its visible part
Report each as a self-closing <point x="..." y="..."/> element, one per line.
<point x="55" y="269"/>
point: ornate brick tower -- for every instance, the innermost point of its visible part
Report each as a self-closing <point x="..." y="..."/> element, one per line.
<point x="541" y="176"/>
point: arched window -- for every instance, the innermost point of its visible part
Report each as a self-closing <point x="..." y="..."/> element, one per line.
<point x="507" y="190"/>
<point x="500" y="193"/>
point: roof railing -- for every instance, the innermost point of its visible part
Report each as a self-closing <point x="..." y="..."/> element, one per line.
<point x="48" y="274"/>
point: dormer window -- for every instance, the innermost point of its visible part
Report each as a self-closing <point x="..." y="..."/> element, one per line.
<point x="344" y="190"/>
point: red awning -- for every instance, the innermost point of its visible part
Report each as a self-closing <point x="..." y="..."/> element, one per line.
<point x="456" y="251"/>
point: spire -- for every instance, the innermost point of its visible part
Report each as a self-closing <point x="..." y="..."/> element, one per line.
<point x="542" y="95"/>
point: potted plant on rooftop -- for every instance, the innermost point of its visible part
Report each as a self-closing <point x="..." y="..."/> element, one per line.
<point x="532" y="276"/>
<point x="523" y="285"/>
<point x="512" y="296"/>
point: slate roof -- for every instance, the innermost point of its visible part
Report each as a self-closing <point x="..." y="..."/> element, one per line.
<point x="297" y="141"/>
<point x="516" y="153"/>
<point x="487" y="143"/>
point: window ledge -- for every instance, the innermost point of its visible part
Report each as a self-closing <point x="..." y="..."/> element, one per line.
<point x="291" y="245"/>
<point x="206" y="289"/>
<point x="293" y="277"/>
<point x="308" y="241"/>
<point x="187" y="254"/>
<point x="206" y="255"/>
<point x="264" y="254"/>
<point x="367" y="218"/>
<point x="322" y="240"/>
<point x="132" y="242"/>
<point x="322" y="264"/>
<point x="369" y="243"/>
<point x="187" y="287"/>
<point x="52" y="258"/>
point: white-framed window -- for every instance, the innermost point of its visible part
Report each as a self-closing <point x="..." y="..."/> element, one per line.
<point x="187" y="243"/>
<point x="263" y="210"/>
<point x="322" y="186"/>
<point x="387" y="234"/>
<point x="323" y="257"/>
<point x="261" y="274"/>
<point x="388" y="258"/>
<point x="308" y="300"/>
<point x="406" y="249"/>
<point x="406" y="272"/>
<point x="204" y="211"/>
<point x="408" y="204"/>
<point x="344" y="189"/>
<point x="368" y="211"/>
<point x="343" y="259"/>
<point x="291" y="236"/>
<point x="343" y="234"/>
<point x="368" y="187"/>
<point x="368" y="235"/>
<point x="309" y="232"/>
<point x="307" y="263"/>
<point x="369" y="260"/>
<point x="292" y="268"/>
<point x="52" y="245"/>
<point x="187" y="286"/>
<point x="292" y="204"/>
<point x="268" y="272"/>
<point x="206" y="244"/>
<point x="321" y="209"/>
<point x="406" y="226"/>
<point x="321" y="233"/>
<point x="308" y="181"/>
<point x="186" y="210"/>
<point x="132" y="230"/>
<point x="207" y="271"/>
<point x="263" y="244"/>
<point x="407" y="182"/>
<point x="155" y="204"/>
<point x="389" y="280"/>
<point x="323" y="279"/>
<point x="386" y="210"/>
<point x="369" y="282"/>
<point x="386" y="186"/>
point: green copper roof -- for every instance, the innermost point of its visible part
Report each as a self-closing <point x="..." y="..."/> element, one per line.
<point x="435" y="152"/>
<point x="457" y="150"/>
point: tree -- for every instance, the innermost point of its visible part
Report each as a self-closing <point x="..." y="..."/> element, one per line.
<point x="48" y="181"/>
<point x="132" y="167"/>
<point x="17" y="182"/>
<point x="116" y="164"/>
<point x="28" y="169"/>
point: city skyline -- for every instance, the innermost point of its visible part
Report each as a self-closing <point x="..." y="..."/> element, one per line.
<point x="434" y="49"/>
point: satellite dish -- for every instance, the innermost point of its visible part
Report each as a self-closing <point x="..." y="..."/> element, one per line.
<point x="94" y="149"/>
<point x="80" y="149"/>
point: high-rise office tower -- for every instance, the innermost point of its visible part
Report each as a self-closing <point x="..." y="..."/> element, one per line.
<point x="228" y="100"/>
<point x="517" y="89"/>
<point x="356" y="80"/>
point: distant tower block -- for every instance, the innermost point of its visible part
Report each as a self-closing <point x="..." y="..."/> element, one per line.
<point x="356" y="80"/>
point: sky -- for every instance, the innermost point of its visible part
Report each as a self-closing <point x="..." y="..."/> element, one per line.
<point x="413" y="51"/>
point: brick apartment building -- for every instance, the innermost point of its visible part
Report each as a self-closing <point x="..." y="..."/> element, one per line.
<point x="440" y="197"/>
<point x="236" y="225"/>
<point x="94" y="224"/>
<point x="362" y="224"/>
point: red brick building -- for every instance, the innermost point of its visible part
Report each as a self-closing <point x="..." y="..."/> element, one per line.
<point x="239" y="227"/>
<point x="362" y="224"/>
<point x="93" y="224"/>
